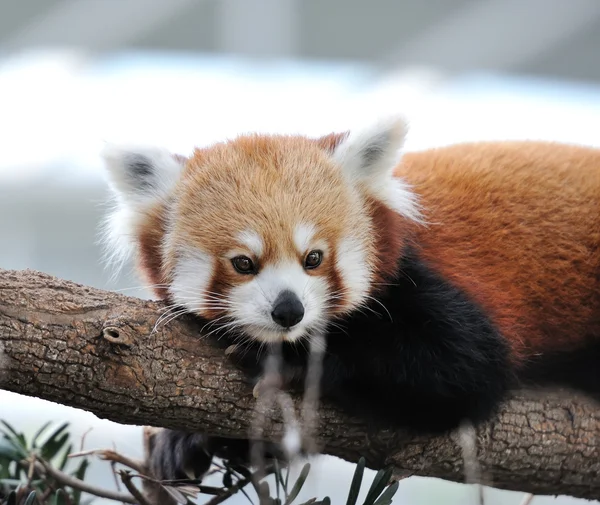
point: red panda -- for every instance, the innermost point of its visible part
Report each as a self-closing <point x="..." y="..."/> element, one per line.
<point x="441" y="278"/>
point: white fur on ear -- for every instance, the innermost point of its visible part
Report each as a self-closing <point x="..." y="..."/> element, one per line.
<point x="140" y="177"/>
<point x="368" y="157"/>
<point x="139" y="173"/>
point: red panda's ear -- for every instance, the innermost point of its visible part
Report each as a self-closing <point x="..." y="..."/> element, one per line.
<point x="330" y="142"/>
<point x="140" y="174"/>
<point x="141" y="180"/>
<point x="367" y="158"/>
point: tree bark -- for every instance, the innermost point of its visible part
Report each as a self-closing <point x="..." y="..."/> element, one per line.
<point x="97" y="350"/>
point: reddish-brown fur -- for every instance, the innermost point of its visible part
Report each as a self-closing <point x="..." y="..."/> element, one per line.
<point x="149" y="259"/>
<point x="389" y="246"/>
<point x="516" y="225"/>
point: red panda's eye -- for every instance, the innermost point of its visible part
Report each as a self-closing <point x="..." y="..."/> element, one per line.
<point x="243" y="264"/>
<point x="313" y="259"/>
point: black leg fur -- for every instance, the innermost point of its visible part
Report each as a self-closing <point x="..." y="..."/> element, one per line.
<point x="175" y="453"/>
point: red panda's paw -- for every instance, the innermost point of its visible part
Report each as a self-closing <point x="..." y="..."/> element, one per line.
<point x="246" y="358"/>
<point x="231" y="350"/>
<point x="265" y="385"/>
<point x="180" y="456"/>
<point x="270" y="383"/>
<point x="290" y="378"/>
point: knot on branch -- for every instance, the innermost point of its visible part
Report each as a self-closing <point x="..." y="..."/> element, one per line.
<point x="117" y="331"/>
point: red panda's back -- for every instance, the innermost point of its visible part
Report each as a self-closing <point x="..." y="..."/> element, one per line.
<point x="517" y="225"/>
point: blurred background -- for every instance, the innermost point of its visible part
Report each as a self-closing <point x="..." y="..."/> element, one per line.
<point x="180" y="73"/>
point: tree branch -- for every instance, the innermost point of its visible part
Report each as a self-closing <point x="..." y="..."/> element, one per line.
<point x="97" y="350"/>
<point x="75" y="483"/>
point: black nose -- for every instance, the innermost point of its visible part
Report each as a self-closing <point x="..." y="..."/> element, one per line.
<point x="287" y="309"/>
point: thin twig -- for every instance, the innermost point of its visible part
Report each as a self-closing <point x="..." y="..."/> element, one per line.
<point x="528" y="499"/>
<point x="111" y="455"/>
<point x="174" y="483"/>
<point x="75" y="483"/>
<point x="82" y="443"/>
<point x="237" y="487"/>
<point x="114" y="474"/>
<point x="135" y="492"/>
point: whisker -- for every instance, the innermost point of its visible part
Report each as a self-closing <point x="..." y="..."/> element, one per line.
<point x="381" y="304"/>
<point x="168" y="310"/>
<point x="407" y="277"/>
<point x="147" y="286"/>
<point x="213" y="322"/>
<point x="339" y="327"/>
<point x="175" y="313"/>
<point x="263" y="292"/>
<point x="174" y="316"/>
<point x="169" y="307"/>
<point x="222" y="327"/>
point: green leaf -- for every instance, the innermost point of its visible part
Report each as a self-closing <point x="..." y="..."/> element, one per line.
<point x="57" y="432"/>
<point x="356" y="482"/>
<point x="39" y="433"/>
<point x="378" y="485"/>
<point x="4" y="467"/>
<point x="11" y="449"/>
<point x="247" y="496"/>
<point x="52" y="448"/>
<point x="19" y="437"/>
<point x="227" y="479"/>
<point x="311" y="501"/>
<point x="10" y="429"/>
<point x="54" y="442"/>
<point x="65" y="458"/>
<point x="12" y="498"/>
<point x="264" y="493"/>
<point x="79" y="474"/>
<point x="277" y="472"/>
<point x="324" y="501"/>
<point x="30" y="499"/>
<point x="11" y="482"/>
<point x="244" y="472"/>
<point x="298" y="485"/>
<point x="387" y="495"/>
<point x="59" y="498"/>
<point x="287" y="479"/>
<point x="280" y="481"/>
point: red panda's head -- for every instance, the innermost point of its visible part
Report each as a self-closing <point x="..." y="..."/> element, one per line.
<point x="270" y="235"/>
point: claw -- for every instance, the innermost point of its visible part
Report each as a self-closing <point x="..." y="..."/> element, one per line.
<point x="189" y="473"/>
<point x="231" y="349"/>
<point x="256" y="389"/>
<point x="266" y="384"/>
